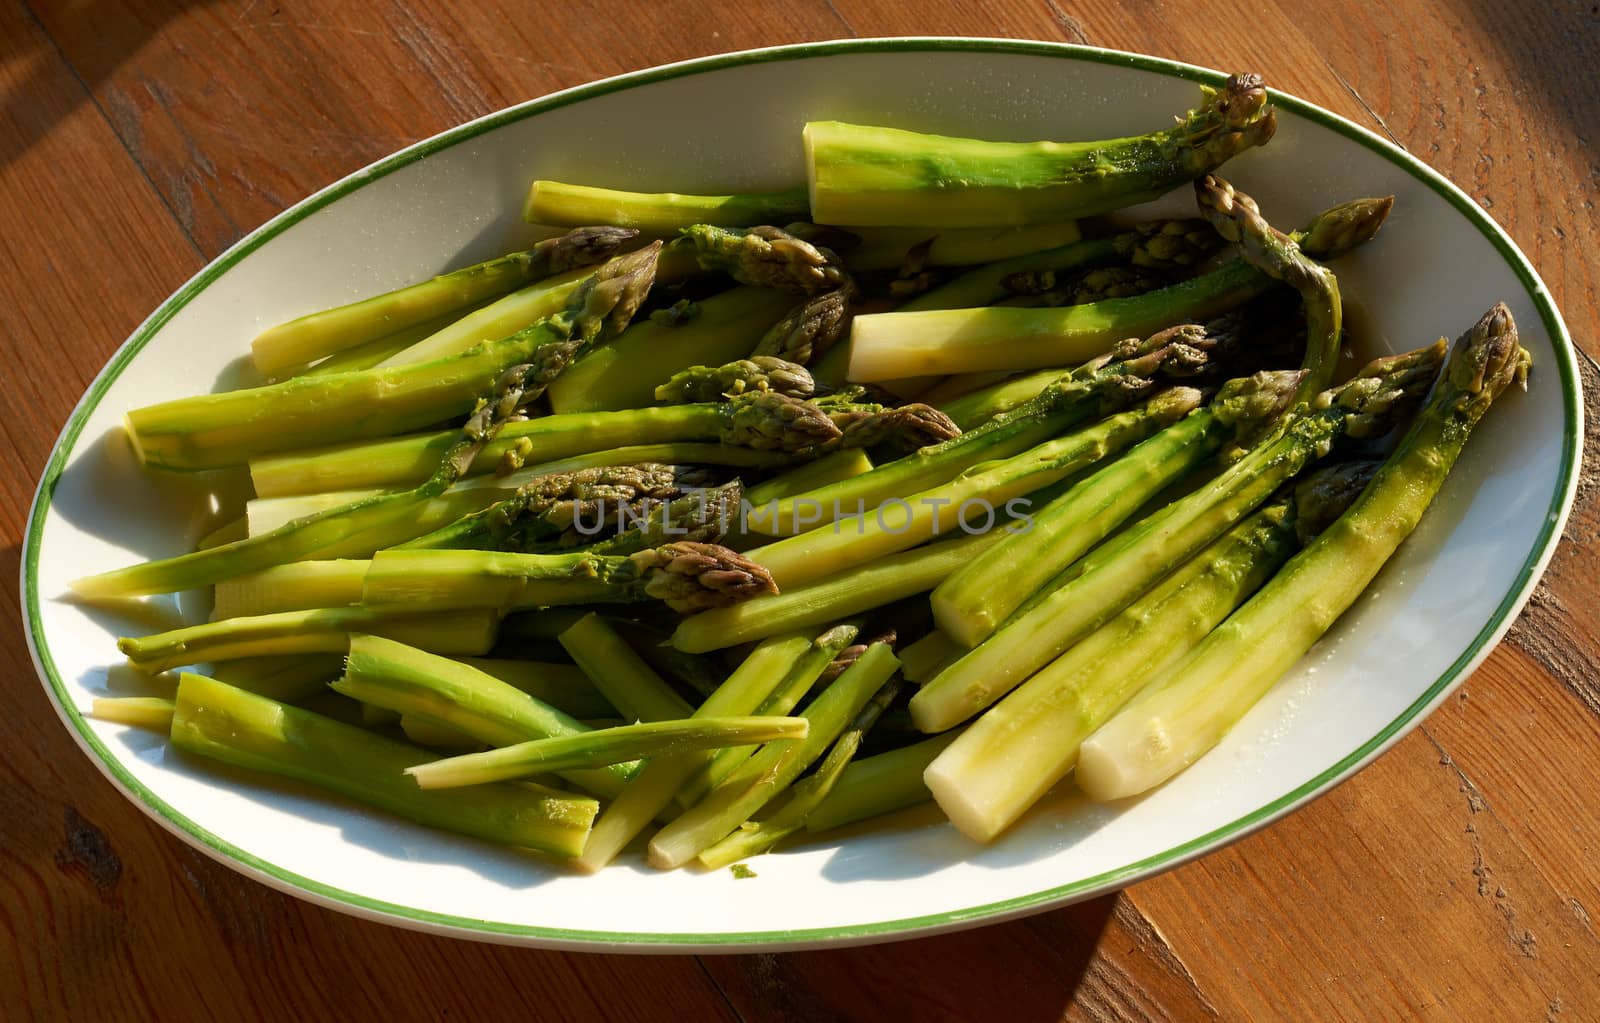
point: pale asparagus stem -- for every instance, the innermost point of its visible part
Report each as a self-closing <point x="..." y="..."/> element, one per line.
<point x="767" y="257"/>
<point x="1189" y="708"/>
<point x="469" y="631"/>
<point x="1120" y="571"/>
<point x="652" y="788"/>
<point x="216" y="720"/>
<point x="300" y="586"/>
<point x="685" y="575"/>
<point x="1027" y="742"/>
<point x="715" y="383"/>
<point x="775" y="767"/>
<point x="755" y="837"/>
<point x="973" y="602"/>
<point x="452" y="694"/>
<point x="150" y="712"/>
<point x="1016" y="751"/>
<point x="811" y="330"/>
<point x="561" y="204"/>
<point x="603" y="747"/>
<point x="883" y="176"/>
<point x="879" y="784"/>
<point x="312" y="337"/>
<point x="969" y="503"/>
<point x="1130" y="372"/>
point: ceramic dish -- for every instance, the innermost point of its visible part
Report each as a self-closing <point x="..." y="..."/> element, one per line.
<point x="733" y="122"/>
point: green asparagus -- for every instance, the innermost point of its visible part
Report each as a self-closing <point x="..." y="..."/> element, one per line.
<point x="1012" y="755"/>
<point x="1193" y="704"/>
<point x="1118" y="572"/>
<point x="448" y="693"/>
<point x="873" y="176"/>
<point x="602" y="747"/>
<point x="216" y="720"/>
<point x="973" y="602"/>
<point x="563" y="205"/>
<point x="312" y="337"/>
<point x="880" y="784"/>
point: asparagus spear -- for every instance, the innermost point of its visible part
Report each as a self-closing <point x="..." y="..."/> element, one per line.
<point x="553" y="202"/>
<point x="843" y="464"/>
<point x="928" y="656"/>
<point x="775" y="767"/>
<point x="218" y="430"/>
<point x="686" y="576"/>
<point x="602" y="747"/>
<point x="312" y="337"/>
<point x="716" y="383"/>
<point x="969" y="502"/>
<point x="1192" y="705"/>
<point x="216" y="720"/>
<point x="652" y="788"/>
<point x="1118" y="572"/>
<point x="327" y="630"/>
<point x="752" y="421"/>
<point x="451" y="694"/>
<point x="546" y="507"/>
<point x="973" y="602"/>
<point x="870" y="176"/>
<point x="887" y="346"/>
<point x="811" y="330"/>
<point x="370" y="354"/>
<point x="754" y="837"/>
<point x="149" y="712"/>
<point x="879" y="784"/>
<point x="766" y="257"/>
<point x="300" y="586"/>
<point x="1012" y="755"/>
<point x="1127" y="374"/>
<point x="704" y="516"/>
<point x="880" y="582"/>
<point x="628" y="683"/>
<point x="625" y="373"/>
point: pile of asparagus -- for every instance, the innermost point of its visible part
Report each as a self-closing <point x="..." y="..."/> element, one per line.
<point x="695" y="525"/>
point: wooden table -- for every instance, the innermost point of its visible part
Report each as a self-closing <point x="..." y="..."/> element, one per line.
<point x="1456" y="878"/>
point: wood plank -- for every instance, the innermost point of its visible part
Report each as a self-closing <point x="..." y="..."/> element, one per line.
<point x="1408" y="889"/>
<point x="239" y="109"/>
<point x="1095" y="961"/>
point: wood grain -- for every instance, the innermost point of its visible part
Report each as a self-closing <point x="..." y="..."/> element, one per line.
<point x="1457" y="878"/>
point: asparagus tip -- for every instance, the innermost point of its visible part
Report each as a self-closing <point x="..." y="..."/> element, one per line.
<point x="1338" y="229"/>
<point x="689" y="576"/>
